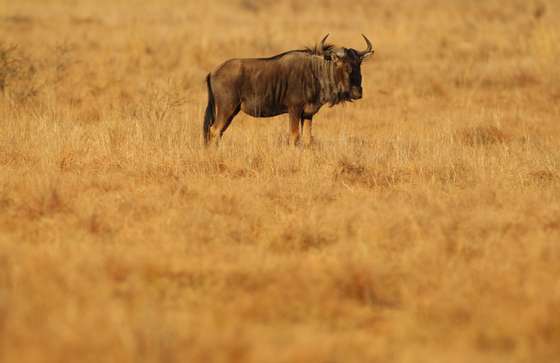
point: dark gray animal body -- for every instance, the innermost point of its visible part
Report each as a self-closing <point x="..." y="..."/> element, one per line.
<point x="297" y="82"/>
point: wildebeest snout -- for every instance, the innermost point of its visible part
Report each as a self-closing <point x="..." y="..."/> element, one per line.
<point x="356" y="93"/>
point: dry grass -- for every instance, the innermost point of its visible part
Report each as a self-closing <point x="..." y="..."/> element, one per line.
<point x="423" y="225"/>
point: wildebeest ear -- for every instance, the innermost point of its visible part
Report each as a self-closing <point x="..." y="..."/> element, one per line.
<point x="335" y="54"/>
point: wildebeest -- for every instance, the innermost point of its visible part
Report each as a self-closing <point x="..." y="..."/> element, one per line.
<point x="297" y="82"/>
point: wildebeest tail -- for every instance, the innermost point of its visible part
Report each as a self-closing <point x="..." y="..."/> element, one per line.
<point x="210" y="114"/>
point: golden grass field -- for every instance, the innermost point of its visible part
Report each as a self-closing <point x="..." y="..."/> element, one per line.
<point x="423" y="225"/>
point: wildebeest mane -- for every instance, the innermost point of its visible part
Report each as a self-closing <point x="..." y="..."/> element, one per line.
<point x="315" y="50"/>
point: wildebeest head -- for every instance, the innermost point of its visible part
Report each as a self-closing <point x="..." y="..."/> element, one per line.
<point x="347" y="63"/>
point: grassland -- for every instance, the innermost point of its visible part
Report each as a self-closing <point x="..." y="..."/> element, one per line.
<point x="422" y="226"/>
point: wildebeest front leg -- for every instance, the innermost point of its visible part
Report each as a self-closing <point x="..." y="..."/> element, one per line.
<point x="295" y="116"/>
<point x="307" y="137"/>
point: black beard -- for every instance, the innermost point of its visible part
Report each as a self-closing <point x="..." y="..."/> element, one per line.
<point x="340" y="97"/>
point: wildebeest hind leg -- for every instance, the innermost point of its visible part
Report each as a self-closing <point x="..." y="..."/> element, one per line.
<point x="230" y="118"/>
<point x="223" y="120"/>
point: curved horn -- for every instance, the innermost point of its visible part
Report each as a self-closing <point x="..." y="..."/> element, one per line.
<point x="369" y="49"/>
<point x="322" y="44"/>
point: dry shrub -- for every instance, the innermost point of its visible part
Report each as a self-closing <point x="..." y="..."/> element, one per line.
<point x="543" y="176"/>
<point x="350" y="169"/>
<point x="363" y="282"/>
<point x="354" y="173"/>
<point x="98" y="224"/>
<point x="45" y="203"/>
<point x="88" y="114"/>
<point x="438" y="89"/>
<point x="483" y="135"/>
<point x="24" y="78"/>
<point x="458" y="174"/>
<point x="8" y="65"/>
<point x="18" y="74"/>
<point x="518" y="78"/>
<point x="495" y="342"/>
<point x="15" y="157"/>
<point x="301" y="239"/>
